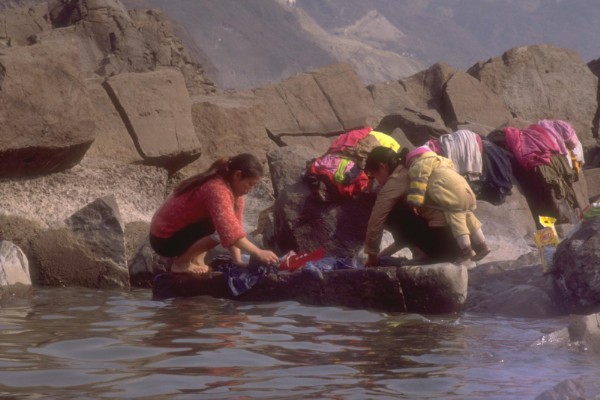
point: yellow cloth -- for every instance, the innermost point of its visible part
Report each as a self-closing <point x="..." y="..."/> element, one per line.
<point x="386" y="140"/>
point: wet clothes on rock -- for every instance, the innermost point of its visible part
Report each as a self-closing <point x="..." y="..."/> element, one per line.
<point x="496" y="179"/>
<point x="339" y="172"/>
<point x="531" y="146"/>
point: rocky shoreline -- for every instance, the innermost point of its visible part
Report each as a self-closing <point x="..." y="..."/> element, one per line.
<point x="102" y="116"/>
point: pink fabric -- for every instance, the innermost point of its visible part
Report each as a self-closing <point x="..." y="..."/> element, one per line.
<point x="348" y="139"/>
<point x="410" y="157"/>
<point x="214" y="200"/>
<point x="563" y="132"/>
<point x="532" y="146"/>
<point x="327" y="166"/>
<point x="434" y="145"/>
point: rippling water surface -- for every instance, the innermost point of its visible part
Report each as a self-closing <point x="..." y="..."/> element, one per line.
<point x="88" y="344"/>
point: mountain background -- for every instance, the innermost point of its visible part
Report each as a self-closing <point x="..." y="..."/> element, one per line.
<point x="249" y="43"/>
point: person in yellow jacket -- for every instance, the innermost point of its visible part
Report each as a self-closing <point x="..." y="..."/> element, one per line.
<point x="434" y="183"/>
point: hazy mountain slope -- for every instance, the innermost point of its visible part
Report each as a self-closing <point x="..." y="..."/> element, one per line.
<point x="255" y="42"/>
<point x="250" y="42"/>
<point x="461" y="32"/>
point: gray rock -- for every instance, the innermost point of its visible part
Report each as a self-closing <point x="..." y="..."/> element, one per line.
<point x="21" y="23"/>
<point x="327" y="100"/>
<point x="592" y="177"/>
<point x="543" y="81"/>
<point x="304" y="224"/>
<point x="517" y="288"/>
<point x="227" y="124"/>
<point x="157" y="111"/>
<point x="287" y="165"/>
<point x="466" y="99"/>
<point x="436" y="289"/>
<point x="113" y="141"/>
<point x="14" y="266"/>
<point x="89" y="251"/>
<point x="575" y="267"/>
<point x="35" y="81"/>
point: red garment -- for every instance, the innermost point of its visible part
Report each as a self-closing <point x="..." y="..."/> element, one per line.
<point x="358" y="183"/>
<point x="532" y="146"/>
<point x="348" y="139"/>
<point x="214" y="200"/>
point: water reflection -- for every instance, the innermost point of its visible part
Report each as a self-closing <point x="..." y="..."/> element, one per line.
<point x="81" y="343"/>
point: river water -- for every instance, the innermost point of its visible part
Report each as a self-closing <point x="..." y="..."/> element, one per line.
<point x="91" y="344"/>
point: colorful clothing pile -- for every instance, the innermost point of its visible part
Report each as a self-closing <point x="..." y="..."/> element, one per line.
<point x="340" y="169"/>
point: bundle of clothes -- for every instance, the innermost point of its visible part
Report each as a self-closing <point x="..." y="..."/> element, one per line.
<point x="545" y="158"/>
<point x="486" y="166"/>
<point x="339" y="172"/>
<point x="549" y="157"/>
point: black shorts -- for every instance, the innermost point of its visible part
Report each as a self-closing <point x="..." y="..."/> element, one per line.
<point x="408" y="228"/>
<point x="181" y="240"/>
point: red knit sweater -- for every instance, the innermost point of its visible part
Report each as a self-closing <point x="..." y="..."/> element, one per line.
<point x="214" y="200"/>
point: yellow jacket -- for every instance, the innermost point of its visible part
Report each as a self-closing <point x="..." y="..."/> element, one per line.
<point x="420" y="172"/>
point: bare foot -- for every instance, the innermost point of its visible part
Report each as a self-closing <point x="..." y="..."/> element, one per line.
<point x="189" y="268"/>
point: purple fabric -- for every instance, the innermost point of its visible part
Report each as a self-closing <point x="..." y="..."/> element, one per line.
<point x="563" y="132"/>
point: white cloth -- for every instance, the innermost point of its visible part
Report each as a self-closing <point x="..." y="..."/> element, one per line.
<point x="462" y="148"/>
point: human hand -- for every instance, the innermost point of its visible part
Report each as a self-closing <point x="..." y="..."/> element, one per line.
<point x="267" y="257"/>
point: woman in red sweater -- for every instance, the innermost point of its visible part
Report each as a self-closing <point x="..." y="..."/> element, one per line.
<point x="184" y="226"/>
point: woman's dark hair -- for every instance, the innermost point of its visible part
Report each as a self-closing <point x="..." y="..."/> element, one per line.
<point x="385" y="155"/>
<point x="225" y="167"/>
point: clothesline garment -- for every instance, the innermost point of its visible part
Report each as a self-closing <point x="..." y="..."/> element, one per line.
<point x="496" y="179"/>
<point x="566" y="138"/>
<point x="463" y="147"/>
<point x="532" y="146"/>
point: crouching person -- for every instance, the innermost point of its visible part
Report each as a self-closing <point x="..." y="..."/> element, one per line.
<point x="426" y="234"/>
<point x="434" y="183"/>
<point x="186" y="225"/>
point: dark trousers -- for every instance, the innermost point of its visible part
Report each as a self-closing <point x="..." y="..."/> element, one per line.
<point x="181" y="240"/>
<point x="406" y="227"/>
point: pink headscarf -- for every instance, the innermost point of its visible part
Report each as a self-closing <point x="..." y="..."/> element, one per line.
<point x="415" y="153"/>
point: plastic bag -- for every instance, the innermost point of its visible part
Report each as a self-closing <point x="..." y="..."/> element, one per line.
<point x="546" y="241"/>
<point x="292" y="261"/>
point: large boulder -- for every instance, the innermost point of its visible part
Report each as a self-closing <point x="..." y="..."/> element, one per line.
<point x="48" y="121"/>
<point x="592" y="177"/>
<point x="139" y="191"/>
<point x="89" y="251"/>
<point x="417" y="125"/>
<point x="119" y="41"/>
<point x="466" y="99"/>
<point x="328" y="100"/>
<point x="575" y="268"/>
<point x="515" y="288"/>
<point x="288" y="164"/>
<point x="113" y="141"/>
<point x="19" y="24"/>
<point x="226" y="124"/>
<point x="433" y="289"/>
<point x="305" y="224"/>
<point x="157" y="111"/>
<point x="543" y="81"/>
<point x="508" y="227"/>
